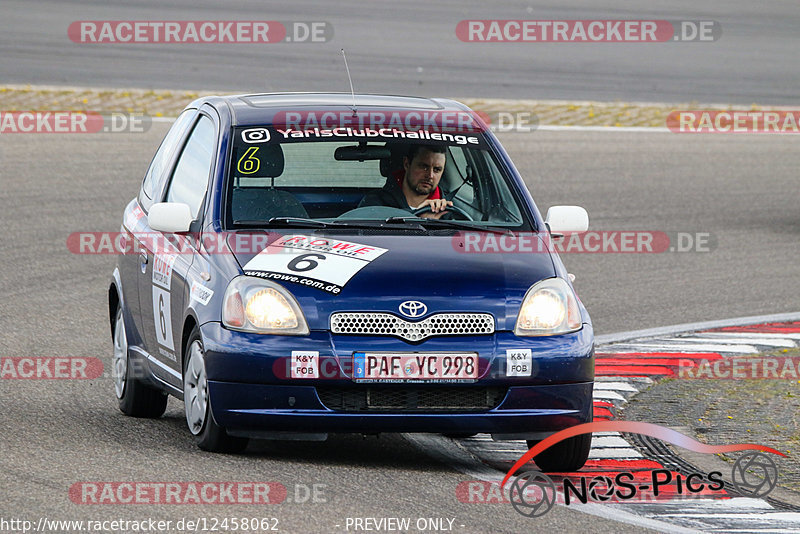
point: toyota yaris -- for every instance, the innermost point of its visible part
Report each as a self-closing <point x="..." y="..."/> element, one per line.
<point x="296" y="265"/>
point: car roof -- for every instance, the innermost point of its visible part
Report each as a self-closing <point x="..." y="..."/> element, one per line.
<point x="255" y="109"/>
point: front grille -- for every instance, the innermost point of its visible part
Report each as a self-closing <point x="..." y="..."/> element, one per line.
<point x="387" y="324"/>
<point x="411" y="398"/>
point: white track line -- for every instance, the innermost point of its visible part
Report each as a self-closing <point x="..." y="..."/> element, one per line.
<point x="621" y="515"/>
<point x="615" y="386"/>
<point x="609" y="441"/>
<point x="749" y="340"/>
<point x="629" y="379"/>
<point x="608" y="395"/>
<point x="678" y="347"/>
<point x="615" y="454"/>
<point x="693" y="327"/>
<point x="639" y="129"/>
<point x="751" y="335"/>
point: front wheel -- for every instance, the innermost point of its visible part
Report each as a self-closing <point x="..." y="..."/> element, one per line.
<point x="208" y="434"/>
<point x="135" y="398"/>
<point x="565" y="456"/>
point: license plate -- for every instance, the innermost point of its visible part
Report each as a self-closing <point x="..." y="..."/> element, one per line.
<point x="405" y="367"/>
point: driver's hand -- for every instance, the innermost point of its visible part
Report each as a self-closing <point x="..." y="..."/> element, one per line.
<point x="438" y="207"/>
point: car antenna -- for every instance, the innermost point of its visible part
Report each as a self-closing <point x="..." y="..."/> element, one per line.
<point x="352" y="92"/>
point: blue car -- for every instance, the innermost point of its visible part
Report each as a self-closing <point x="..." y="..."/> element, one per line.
<point x="296" y="265"/>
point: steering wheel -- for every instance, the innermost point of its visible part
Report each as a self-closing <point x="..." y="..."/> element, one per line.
<point x="454" y="209"/>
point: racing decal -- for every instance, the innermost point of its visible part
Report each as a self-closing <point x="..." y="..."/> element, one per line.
<point x="162" y="315"/>
<point x="255" y="135"/>
<point x="519" y="362"/>
<point x="322" y="263"/>
<point x="200" y="293"/>
<point x="133" y="217"/>
<point x="305" y="364"/>
<point x="167" y="354"/>
<point x="289" y="135"/>
<point x="162" y="269"/>
<point x="248" y="163"/>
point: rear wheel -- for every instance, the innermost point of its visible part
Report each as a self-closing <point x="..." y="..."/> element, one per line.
<point x="208" y="434"/>
<point x="565" y="456"/>
<point x="135" y="398"/>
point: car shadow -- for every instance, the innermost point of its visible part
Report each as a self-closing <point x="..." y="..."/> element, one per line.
<point x="385" y="451"/>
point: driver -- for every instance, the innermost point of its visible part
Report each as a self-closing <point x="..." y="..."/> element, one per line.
<point x="417" y="185"/>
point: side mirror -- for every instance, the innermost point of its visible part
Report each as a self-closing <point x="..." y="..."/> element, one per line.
<point x="170" y="217"/>
<point x="563" y="219"/>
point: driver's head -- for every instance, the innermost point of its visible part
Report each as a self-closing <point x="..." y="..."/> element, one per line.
<point x="424" y="165"/>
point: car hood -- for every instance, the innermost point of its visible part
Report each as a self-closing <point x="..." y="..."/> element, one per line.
<point x="397" y="268"/>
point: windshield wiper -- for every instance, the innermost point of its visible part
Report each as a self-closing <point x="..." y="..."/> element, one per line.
<point x="446" y="223"/>
<point x="299" y="221"/>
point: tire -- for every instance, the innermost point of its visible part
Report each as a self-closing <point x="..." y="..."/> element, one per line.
<point x="209" y="436"/>
<point x="135" y="398"/>
<point x="565" y="456"/>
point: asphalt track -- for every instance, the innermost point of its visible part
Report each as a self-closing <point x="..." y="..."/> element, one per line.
<point x="411" y="47"/>
<point x="742" y="190"/>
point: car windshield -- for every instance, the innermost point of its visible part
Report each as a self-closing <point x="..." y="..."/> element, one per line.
<point x="349" y="176"/>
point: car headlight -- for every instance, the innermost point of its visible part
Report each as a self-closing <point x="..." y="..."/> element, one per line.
<point x="256" y="305"/>
<point x="549" y="307"/>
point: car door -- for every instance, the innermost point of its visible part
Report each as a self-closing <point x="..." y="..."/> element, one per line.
<point x="134" y="221"/>
<point x="167" y="257"/>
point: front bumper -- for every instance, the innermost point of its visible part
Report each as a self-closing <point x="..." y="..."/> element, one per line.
<point x="251" y="392"/>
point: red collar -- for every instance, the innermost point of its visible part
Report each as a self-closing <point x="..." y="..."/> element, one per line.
<point x="399" y="175"/>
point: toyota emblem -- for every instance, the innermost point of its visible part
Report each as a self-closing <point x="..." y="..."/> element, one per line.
<point x="413" y="308"/>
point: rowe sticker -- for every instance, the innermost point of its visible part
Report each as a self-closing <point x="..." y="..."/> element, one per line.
<point x="162" y="269"/>
<point x="322" y="263"/>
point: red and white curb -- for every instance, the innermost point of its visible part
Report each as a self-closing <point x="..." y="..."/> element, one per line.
<point x="625" y="364"/>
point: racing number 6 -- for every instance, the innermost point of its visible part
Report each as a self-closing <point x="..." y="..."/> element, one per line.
<point x="248" y="164"/>
<point x="310" y="264"/>
<point x="161" y="316"/>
